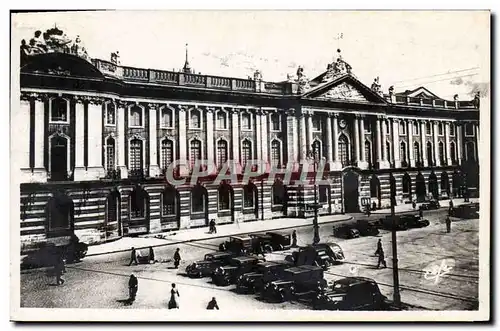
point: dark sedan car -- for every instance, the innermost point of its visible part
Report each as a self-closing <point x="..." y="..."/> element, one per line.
<point x="413" y="221"/>
<point x="387" y="223"/>
<point x="367" y="228"/>
<point x="465" y="211"/>
<point x="434" y="204"/>
<point x="208" y="265"/>
<point x="346" y="231"/>
<point x="264" y="272"/>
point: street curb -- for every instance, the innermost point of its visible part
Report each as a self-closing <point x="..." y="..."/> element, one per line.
<point x="347" y="218"/>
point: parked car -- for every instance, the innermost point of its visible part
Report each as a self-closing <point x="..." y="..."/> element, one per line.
<point x="322" y="255"/>
<point x="387" y="223"/>
<point x="207" y="266"/>
<point x="261" y="239"/>
<point x="352" y="293"/>
<point x="367" y="228"/>
<point x="264" y="272"/>
<point x="465" y="211"/>
<point x="240" y="245"/>
<point x="280" y="241"/>
<point x="413" y="221"/>
<point x="228" y="274"/>
<point x="47" y="255"/>
<point x="346" y="231"/>
<point x="430" y="205"/>
<point x="296" y="281"/>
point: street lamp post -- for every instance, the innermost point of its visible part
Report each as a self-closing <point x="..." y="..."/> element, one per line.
<point x="316" y="205"/>
<point x="395" y="271"/>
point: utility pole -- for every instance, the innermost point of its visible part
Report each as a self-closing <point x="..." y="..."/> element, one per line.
<point x="395" y="271"/>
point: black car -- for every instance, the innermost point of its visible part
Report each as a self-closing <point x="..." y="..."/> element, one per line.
<point x="264" y="272"/>
<point x="413" y="221"/>
<point x="434" y="204"/>
<point x="280" y="241"/>
<point x="387" y="223"/>
<point x="49" y="254"/>
<point x="263" y="240"/>
<point x="208" y="265"/>
<point x="367" y="228"/>
<point x="323" y="255"/>
<point x="229" y="274"/>
<point x="352" y="293"/>
<point x="346" y="231"/>
<point x="466" y="211"/>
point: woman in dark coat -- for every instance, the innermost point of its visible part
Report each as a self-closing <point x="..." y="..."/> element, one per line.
<point x="174" y="302"/>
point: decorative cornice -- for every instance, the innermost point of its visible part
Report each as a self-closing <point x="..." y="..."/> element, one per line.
<point x="121" y="103"/>
<point x="154" y="106"/>
<point x="182" y="108"/>
<point x="29" y="96"/>
<point x="211" y="109"/>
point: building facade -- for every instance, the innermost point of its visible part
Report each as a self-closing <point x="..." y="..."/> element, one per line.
<point x="102" y="137"/>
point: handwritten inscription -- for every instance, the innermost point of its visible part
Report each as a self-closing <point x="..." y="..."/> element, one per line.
<point x="436" y="271"/>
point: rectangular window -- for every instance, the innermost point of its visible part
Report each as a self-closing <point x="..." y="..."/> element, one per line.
<point x="135" y="155"/>
<point x="110" y="114"/>
<point x="316" y="123"/>
<point x="166" y="118"/>
<point x="367" y="125"/>
<point x="136" y="117"/>
<point x="167" y="153"/>
<point x="275" y="122"/>
<point x="246" y="122"/>
<point x="452" y="129"/>
<point x="469" y="129"/>
<point x="221" y="120"/>
<point x="402" y="128"/>
<point x="110" y="157"/>
<point x="416" y="129"/>
<point x="428" y="128"/>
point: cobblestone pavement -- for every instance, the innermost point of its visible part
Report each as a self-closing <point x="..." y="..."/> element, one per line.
<point x="101" y="281"/>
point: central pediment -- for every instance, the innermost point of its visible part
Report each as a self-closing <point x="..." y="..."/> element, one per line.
<point x="343" y="91"/>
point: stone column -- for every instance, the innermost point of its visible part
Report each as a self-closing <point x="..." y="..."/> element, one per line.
<point x="292" y="136"/>
<point x="356" y="139"/>
<point x="423" y="145"/>
<point x="436" y="144"/>
<point x="447" y="143"/>
<point x="329" y="139"/>
<point x="309" y="131"/>
<point x="258" y="135"/>
<point x="210" y="134"/>
<point x="395" y="143"/>
<point x="183" y="157"/>
<point x="95" y="170"/>
<point x="385" y="158"/>
<point x="236" y="141"/>
<point x="265" y="134"/>
<point x="411" y="160"/>
<point x="363" y="163"/>
<point x="121" y="112"/>
<point x="337" y="163"/>
<point x="22" y="140"/>
<point x="154" y="169"/>
<point x="378" y="134"/>
<point x="459" y="142"/>
<point x="303" y="139"/>
<point x="80" y="172"/>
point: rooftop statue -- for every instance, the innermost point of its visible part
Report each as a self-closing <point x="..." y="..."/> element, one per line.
<point x="115" y="58"/>
<point x="302" y="81"/>
<point x="376" y="87"/>
<point x="336" y="68"/>
<point x="257" y="75"/>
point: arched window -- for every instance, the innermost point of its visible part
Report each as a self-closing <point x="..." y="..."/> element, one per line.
<point x="278" y="194"/>
<point x="323" y="194"/>
<point x="445" y="183"/>
<point x="316" y="150"/>
<point x="198" y="199"/>
<point x="221" y="152"/>
<point x="246" y="121"/>
<point x="275" y="122"/>
<point x="246" y="152"/>
<point x="343" y="150"/>
<point x="416" y="152"/>
<point x="471" y="151"/>
<point x="137" y="204"/>
<point x="59" y="110"/>
<point x="453" y="150"/>
<point x="275" y="153"/>
<point x="166" y="118"/>
<point x="110" y="113"/>
<point x="110" y="155"/>
<point x="169" y="202"/>
<point x="221" y="120"/>
<point x="368" y="152"/>
<point x="224" y="195"/>
<point x="195" y="151"/>
<point x="195" y="119"/>
<point x="441" y="153"/>
<point x="406" y="184"/>
<point x="249" y="195"/>
<point x="167" y="153"/>
<point x="135" y="116"/>
<point x="430" y="157"/>
<point x="135" y="154"/>
<point x="402" y="151"/>
<point x="388" y="150"/>
<point x="374" y="187"/>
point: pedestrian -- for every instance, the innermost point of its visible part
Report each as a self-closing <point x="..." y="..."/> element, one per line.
<point x="58" y="270"/>
<point x="368" y="210"/>
<point x="421" y="212"/>
<point x="381" y="259"/>
<point x="379" y="247"/>
<point x="133" y="286"/>
<point x="414" y="204"/>
<point x="448" y="224"/>
<point x="152" y="255"/>
<point x="259" y="250"/>
<point x="451" y="207"/>
<point x="177" y="258"/>
<point x="213" y="229"/>
<point x="294" y="238"/>
<point x="213" y="304"/>
<point x="173" y="303"/>
<point x="133" y="256"/>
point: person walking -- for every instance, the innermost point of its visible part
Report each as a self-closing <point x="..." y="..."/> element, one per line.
<point x="152" y="255"/>
<point x="173" y="303"/>
<point x="133" y="256"/>
<point x="448" y="224"/>
<point x="414" y="205"/>
<point x="59" y="270"/>
<point x="133" y="286"/>
<point x="379" y="247"/>
<point x="381" y="259"/>
<point x="294" y="238"/>
<point x="177" y="258"/>
<point x="213" y="229"/>
<point x="421" y="212"/>
<point x="451" y="207"/>
<point x="212" y="304"/>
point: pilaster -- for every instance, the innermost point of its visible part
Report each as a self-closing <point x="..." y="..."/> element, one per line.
<point x="154" y="169"/>
<point x="183" y="168"/>
<point x="80" y="172"/>
<point x="95" y="170"/>
<point x="121" y="113"/>
<point x="210" y="133"/>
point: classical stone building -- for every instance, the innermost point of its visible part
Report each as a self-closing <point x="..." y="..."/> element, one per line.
<point x="101" y="136"/>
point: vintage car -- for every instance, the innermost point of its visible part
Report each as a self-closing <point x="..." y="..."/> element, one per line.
<point x="47" y="255"/>
<point x="413" y="221"/>
<point x="263" y="240"/>
<point x="367" y="228"/>
<point x="346" y="231"/>
<point x="280" y="241"/>
<point x="465" y="211"/>
<point x="208" y="265"/>
<point x="430" y="205"/>
<point x="306" y="280"/>
<point x="352" y="293"/>
<point x="239" y="245"/>
<point x="264" y="272"/>
<point x="228" y="274"/>
<point x="322" y="255"/>
<point x="387" y="223"/>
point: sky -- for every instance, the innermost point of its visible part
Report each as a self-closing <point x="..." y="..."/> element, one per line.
<point x="447" y="52"/>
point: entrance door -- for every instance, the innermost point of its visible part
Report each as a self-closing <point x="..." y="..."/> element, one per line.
<point x="58" y="158"/>
<point x="350" y="192"/>
<point x="420" y="188"/>
<point x="433" y="186"/>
